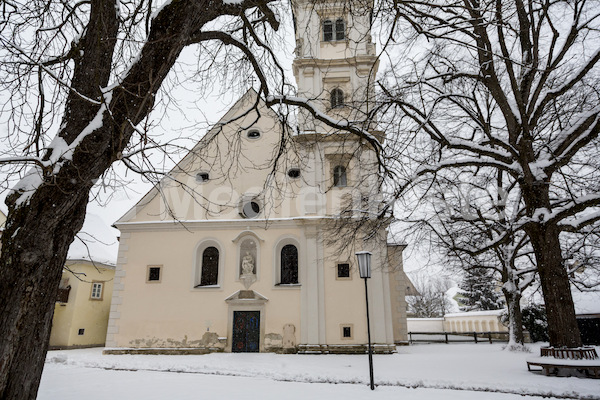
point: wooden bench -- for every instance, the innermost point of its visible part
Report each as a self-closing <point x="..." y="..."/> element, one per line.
<point x="553" y="366"/>
<point x="583" y="360"/>
<point x="584" y="353"/>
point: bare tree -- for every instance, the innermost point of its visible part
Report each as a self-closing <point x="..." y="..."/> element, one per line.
<point x="510" y="86"/>
<point x="91" y="72"/>
<point x="431" y="300"/>
<point x="462" y="215"/>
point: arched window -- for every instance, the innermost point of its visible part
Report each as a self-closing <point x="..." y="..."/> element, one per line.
<point x="289" y="264"/>
<point x="210" y="267"/>
<point x="337" y="98"/>
<point x="339" y="176"/>
<point x="340" y="33"/>
<point x="327" y="30"/>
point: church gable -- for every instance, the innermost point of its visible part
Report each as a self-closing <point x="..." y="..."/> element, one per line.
<point x="238" y="170"/>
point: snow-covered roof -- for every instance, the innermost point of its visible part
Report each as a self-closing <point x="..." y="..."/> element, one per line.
<point x="586" y="302"/>
<point x="450" y="295"/>
<point x="97" y="241"/>
<point x="476" y="313"/>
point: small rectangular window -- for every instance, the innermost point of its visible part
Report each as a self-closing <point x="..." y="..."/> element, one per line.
<point x="343" y="270"/>
<point x="80" y="332"/>
<point x="154" y="273"/>
<point x="346" y="331"/>
<point x="96" y="291"/>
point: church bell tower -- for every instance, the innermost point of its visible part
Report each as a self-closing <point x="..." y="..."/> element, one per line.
<point x="335" y="63"/>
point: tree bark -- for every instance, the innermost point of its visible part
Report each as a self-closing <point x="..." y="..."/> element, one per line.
<point x="515" y="318"/>
<point x="39" y="231"/>
<point x="562" y="323"/>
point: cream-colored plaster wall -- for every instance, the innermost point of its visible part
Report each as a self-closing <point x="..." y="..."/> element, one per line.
<point x="82" y="312"/>
<point x="63" y="314"/>
<point x="170" y="312"/>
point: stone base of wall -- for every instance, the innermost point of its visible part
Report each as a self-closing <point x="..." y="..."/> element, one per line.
<point x="164" y="351"/>
<point x="77" y="346"/>
<point x="345" y="349"/>
<point x="281" y="350"/>
<point x="301" y="349"/>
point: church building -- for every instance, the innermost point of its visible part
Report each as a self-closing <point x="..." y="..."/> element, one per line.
<point x="241" y="247"/>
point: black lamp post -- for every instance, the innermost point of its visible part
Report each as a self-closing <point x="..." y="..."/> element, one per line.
<point x="364" y="268"/>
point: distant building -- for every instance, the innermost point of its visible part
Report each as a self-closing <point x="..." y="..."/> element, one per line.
<point x="587" y="311"/>
<point x="83" y="304"/>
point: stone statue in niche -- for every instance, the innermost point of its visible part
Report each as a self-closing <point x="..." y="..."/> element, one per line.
<point x="247" y="264"/>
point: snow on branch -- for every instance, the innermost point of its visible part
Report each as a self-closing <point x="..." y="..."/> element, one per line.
<point x="565" y="215"/>
<point x="577" y="136"/>
<point x="58" y="153"/>
<point x="513" y="168"/>
<point x="567" y="85"/>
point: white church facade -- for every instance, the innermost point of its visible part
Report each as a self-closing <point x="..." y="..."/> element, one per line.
<point x="239" y="249"/>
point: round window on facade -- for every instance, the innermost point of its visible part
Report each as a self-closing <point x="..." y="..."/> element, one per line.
<point x="253" y="134"/>
<point x="294" y="173"/>
<point x="250" y="208"/>
<point x="202" y="177"/>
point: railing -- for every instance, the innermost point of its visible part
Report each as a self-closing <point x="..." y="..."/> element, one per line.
<point x="457" y="337"/>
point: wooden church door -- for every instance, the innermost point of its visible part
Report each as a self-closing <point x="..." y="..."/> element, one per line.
<point x="246" y="331"/>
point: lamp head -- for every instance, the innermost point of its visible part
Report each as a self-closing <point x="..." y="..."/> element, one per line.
<point x="364" y="263"/>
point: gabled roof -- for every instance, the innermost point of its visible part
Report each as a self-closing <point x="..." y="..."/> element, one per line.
<point x="240" y="108"/>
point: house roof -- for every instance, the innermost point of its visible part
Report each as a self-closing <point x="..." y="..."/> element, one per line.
<point x="96" y="242"/>
<point x="586" y="302"/>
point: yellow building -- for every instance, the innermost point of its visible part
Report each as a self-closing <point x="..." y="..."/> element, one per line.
<point x="83" y="304"/>
<point x="236" y="252"/>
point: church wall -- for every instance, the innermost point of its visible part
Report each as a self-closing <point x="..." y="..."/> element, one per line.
<point x="172" y="313"/>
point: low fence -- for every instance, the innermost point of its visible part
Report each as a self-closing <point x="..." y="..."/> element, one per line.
<point x="457" y="337"/>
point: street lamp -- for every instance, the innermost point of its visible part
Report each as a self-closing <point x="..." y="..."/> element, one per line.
<point x="364" y="268"/>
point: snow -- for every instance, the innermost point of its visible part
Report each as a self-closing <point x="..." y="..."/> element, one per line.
<point x="586" y="302"/>
<point x="61" y="152"/>
<point x="437" y="371"/>
<point x="27" y="186"/>
<point x="476" y="313"/>
<point x="157" y="11"/>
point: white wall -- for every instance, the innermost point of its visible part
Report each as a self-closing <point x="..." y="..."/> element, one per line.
<point x="425" y="324"/>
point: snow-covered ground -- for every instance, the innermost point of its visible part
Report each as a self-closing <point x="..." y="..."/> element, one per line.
<point x="437" y="371"/>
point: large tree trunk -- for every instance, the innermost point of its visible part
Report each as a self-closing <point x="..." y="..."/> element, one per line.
<point x="34" y="249"/>
<point x="545" y="240"/>
<point x="39" y="230"/>
<point x="562" y="324"/>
